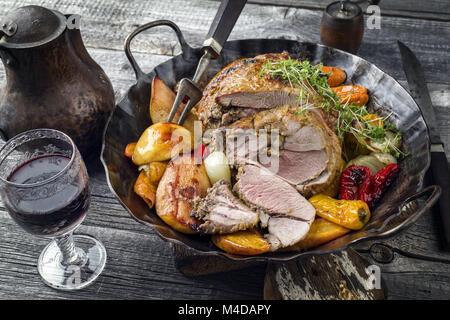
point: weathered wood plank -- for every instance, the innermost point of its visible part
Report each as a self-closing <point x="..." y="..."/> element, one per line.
<point x="404" y="277"/>
<point x="434" y="9"/>
<point x="139" y="266"/>
<point x="343" y="275"/>
<point x="106" y="24"/>
<point x="409" y="278"/>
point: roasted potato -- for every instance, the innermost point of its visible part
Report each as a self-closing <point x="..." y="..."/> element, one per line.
<point x="162" y="141"/>
<point x="352" y="94"/>
<point x="161" y="101"/>
<point x="145" y="189"/>
<point x="154" y="170"/>
<point x="321" y="231"/>
<point x="337" y="76"/>
<point x="245" y="243"/>
<point x="183" y="180"/>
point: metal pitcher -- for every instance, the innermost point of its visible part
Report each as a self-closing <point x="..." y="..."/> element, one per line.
<point x="51" y="81"/>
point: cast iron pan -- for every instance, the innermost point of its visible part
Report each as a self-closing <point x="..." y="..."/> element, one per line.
<point x="401" y="206"/>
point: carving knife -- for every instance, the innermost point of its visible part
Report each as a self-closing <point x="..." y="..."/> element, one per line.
<point x="439" y="166"/>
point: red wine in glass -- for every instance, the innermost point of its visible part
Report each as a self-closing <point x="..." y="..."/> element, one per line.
<point x="44" y="186"/>
<point x="56" y="214"/>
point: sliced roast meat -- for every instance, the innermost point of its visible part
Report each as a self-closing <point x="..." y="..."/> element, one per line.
<point x="240" y="84"/>
<point x="279" y="203"/>
<point x="308" y="139"/>
<point x="222" y="212"/>
<point x="263" y="99"/>
<point x="300" y="167"/>
<point x="284" y="230"/>
<point x="308" y="155"/>
<point x="240" y="76"/>
<point x="234" y="114"/>
<point x="302" y="139"/>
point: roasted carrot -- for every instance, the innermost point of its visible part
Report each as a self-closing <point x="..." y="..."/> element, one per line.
<point x="352" y="94"/>
<point x="129" y="149"/>
<point x="145" y="189"/>
<point x="337" y="76"/>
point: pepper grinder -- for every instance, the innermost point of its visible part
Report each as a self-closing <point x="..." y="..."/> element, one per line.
<point x="342" y="25"/>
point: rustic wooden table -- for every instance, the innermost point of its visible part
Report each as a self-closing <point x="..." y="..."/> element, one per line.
<point x="140" y="264"/>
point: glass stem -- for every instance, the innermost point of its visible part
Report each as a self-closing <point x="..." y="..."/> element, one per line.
<point x="69" y="253"/>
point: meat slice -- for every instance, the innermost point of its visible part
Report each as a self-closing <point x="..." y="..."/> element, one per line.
<point x="285" y="230"/>
<point x="300" y="167"/>
<point x="309" y="153"/>
<point x="286" y="212"/>
<point x="240" y="76"/>
<point x="222" y="212"/>
<point x="234" y="114"/>
<point x="303" y="139"/>
<point x="264" y="99"/>
<point x="241" y="88"/>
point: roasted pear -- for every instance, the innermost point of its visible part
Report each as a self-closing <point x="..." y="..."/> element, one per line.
<point x="245" y="243"/>
<point x="161" y="101"/>
<point x="162" y="141"/>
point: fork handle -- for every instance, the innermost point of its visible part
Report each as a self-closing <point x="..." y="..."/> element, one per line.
<point x="223" y="23"/>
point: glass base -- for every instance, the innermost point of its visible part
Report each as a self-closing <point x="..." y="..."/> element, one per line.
<point x="77" y="275"/>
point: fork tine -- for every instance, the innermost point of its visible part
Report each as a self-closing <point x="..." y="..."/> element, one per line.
<point x="186" y="111"/>
<point x="176" y="104"/>
<point x="194" y="95"/>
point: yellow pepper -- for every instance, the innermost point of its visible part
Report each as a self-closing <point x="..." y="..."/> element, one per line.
<point x="351" y="214"/>
<point x="374" y="120"/>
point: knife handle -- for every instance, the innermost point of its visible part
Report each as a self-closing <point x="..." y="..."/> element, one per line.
<point x="223" y="23"/>
<point x="441" y="177"/>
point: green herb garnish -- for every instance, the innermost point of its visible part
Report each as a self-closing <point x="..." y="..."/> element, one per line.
<point x="314" y="92"/>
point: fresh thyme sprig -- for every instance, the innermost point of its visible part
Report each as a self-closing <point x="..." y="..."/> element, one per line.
<point x="313" y="87"/>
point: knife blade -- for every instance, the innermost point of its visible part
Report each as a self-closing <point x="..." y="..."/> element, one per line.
<point x="439" y="169"/>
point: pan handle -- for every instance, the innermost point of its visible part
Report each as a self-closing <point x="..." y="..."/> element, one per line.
<point x="432" y="192"/>
<point x="187" y="51"/>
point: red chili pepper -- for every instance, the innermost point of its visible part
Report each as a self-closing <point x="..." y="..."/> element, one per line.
<point x="201" y="153"/>
<point x="357" y="183"/>
<point x="380" y="181"/>
<point x="351" y="180"/>
<point x="365" y="192"/>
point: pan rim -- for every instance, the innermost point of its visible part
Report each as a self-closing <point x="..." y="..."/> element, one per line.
<point x="294" y="255"/>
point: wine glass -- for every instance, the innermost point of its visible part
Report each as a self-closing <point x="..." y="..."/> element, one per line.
<point x="44" y="186"/>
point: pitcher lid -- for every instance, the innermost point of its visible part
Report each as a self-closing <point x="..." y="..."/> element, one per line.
<point x="31" y="26"/>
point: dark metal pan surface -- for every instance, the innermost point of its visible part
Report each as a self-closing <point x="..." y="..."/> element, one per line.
<point x="405" y="202"/>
